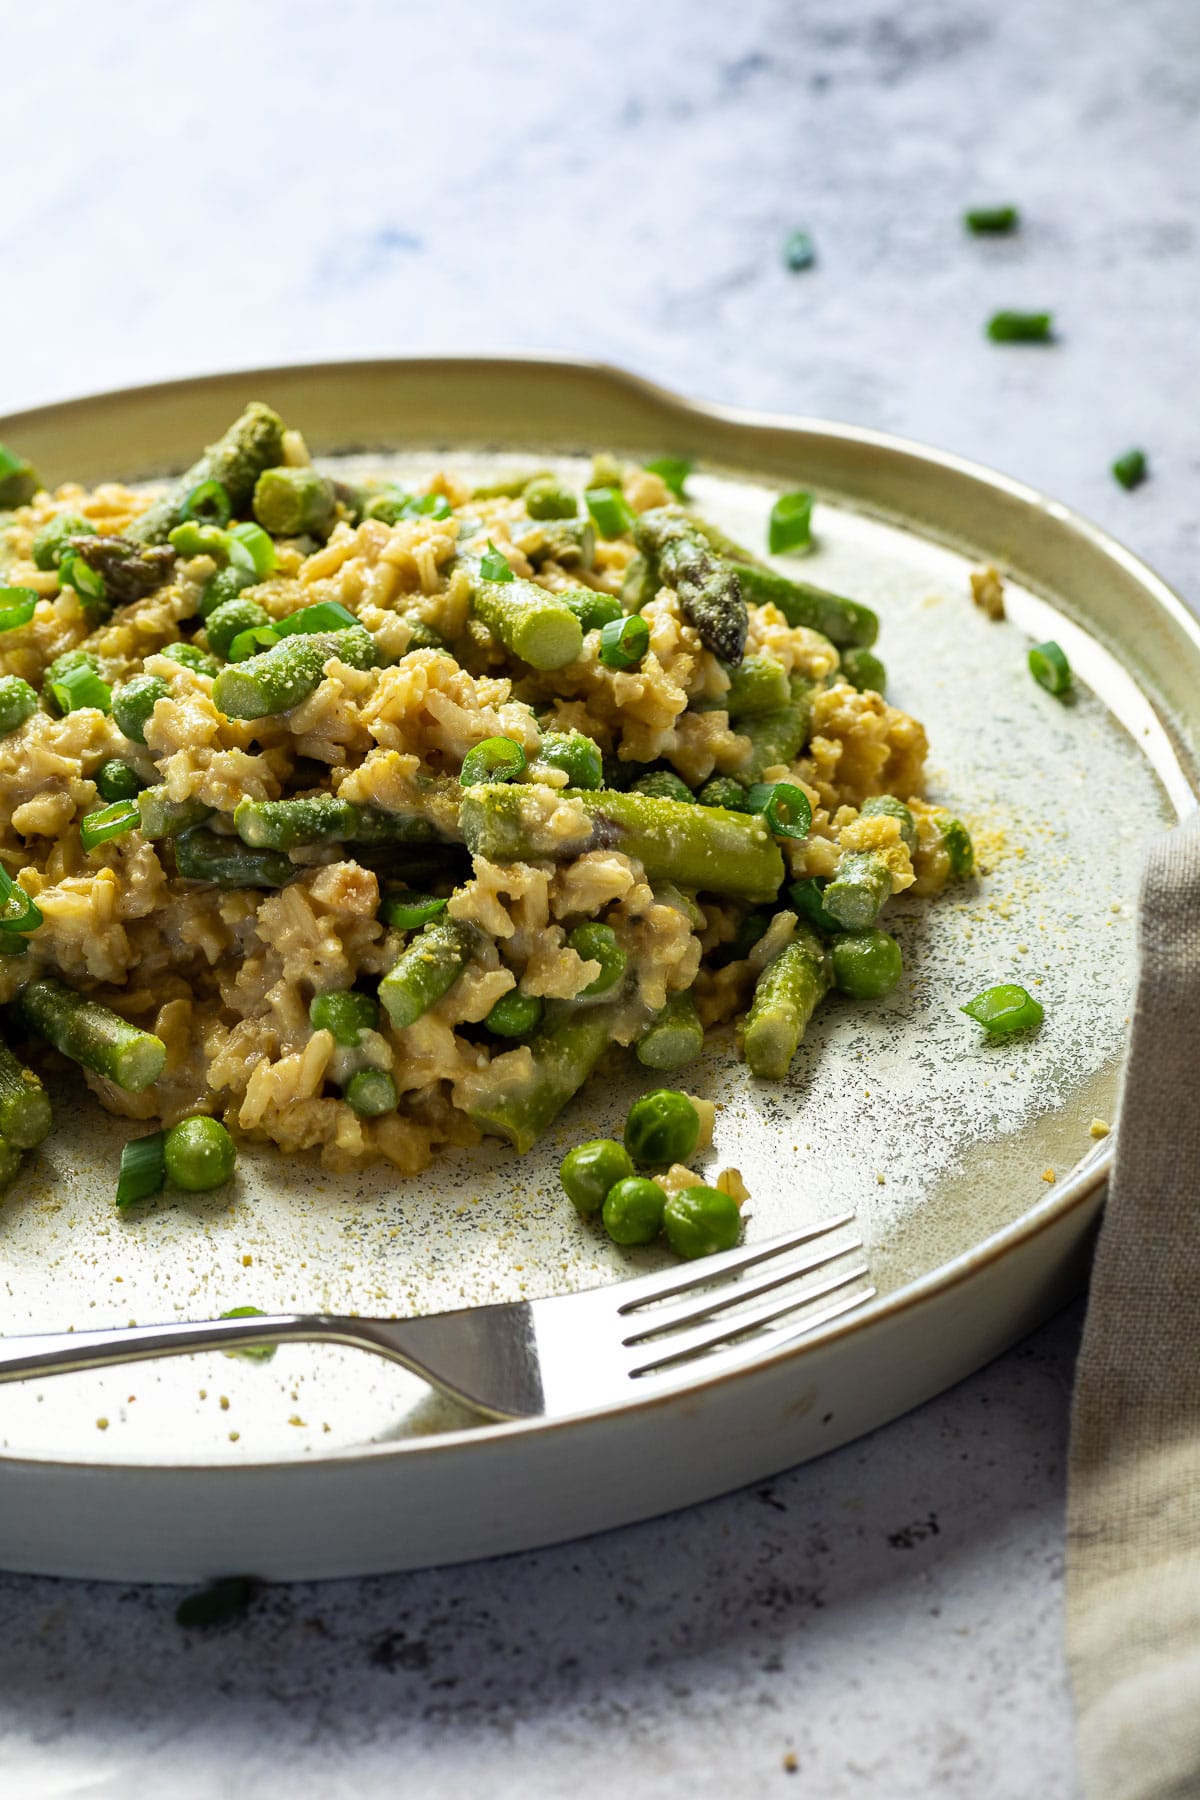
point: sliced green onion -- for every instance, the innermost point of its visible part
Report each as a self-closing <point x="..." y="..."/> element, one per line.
<point x="143" y="1168"/>
<point x="17" y="476"/>
<point x="248" y="643"/>
<point x="494" y="564"/>
<point x="109" y="822"/>
<point x="16" y="607"/>
<point x="79" y="687"/>
<point x="17" y="911"/>
<point x="790" y="527"/>
<point x="1020" y="327"/>
<point x="799" y="252"/>
<point x="783" y="805"/>
<point x="406" y="909"/>
<point x="208" y="503"/>
<point x="674" y="471"/>
<point x="624" y="642"/>
<point x="496" y="759"/>
<point x="326" y="615"/>
<point x="1049" y="667"/>
<point x="1130" y="469"/>
<point x="991" y="219"/>
<point x="251" y="549"/>
<point x="259" y="1353"/>
<point x="610" y="511"/>
<point x="430" y="506"/>
<point x="87" y="582"/>
<point x="193" y="539"/>
<point x="1005" y="1008"/>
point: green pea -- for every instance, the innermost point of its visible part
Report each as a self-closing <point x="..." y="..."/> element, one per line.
<point x="515" y="1014"/>
<point x="590" y="1170"/>
<point x="225" y="585"/>
<point x="598" y="943"/>
<point x="663" y="784"/>
<point x="345" y="1014"/>
<point x="115" y="780"/>
<point x="134" y="704"/>
<point x="662" y="1127"/>
<point x="576" y="755"/>
<point x="699" y="1221"/>
<point x="866" y="964"/>
<point x="194" y="539"/>
<point x="199" y="1154"/>
<point x="724" y="791"/>
<point x="633" y="1211"/>
<point x="547" y="498"/>
<point x="191" y="656"/>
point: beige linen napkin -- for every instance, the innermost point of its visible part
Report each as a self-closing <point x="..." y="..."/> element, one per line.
<point x="1133" y="1511"/>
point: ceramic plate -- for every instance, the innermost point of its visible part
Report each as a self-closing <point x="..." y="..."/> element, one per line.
<point x="972" y="1166"/>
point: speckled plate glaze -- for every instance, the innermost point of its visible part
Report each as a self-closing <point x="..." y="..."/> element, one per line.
<point x="971" y="1165"/>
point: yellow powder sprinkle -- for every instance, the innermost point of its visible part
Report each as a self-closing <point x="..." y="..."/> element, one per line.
<point x="247" y="1261"/>
<point x="1049" y="1175"/>
<point x="987" y="591"/>
<point x="101" y="1424"/>
<point x="234" y="1436"/>
<point x="224" y="1402"/>
<point x="1099" y="1128"/>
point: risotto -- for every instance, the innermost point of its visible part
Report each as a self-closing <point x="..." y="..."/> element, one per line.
<point x="371" y="820"/>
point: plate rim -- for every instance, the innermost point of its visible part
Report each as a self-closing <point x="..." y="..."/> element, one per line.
<point x="1073" y="1192"/>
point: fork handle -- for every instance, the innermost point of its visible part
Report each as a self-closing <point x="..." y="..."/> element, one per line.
<point x="63" y="1352"/>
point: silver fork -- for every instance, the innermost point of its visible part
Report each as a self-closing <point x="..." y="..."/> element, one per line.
<point x="529" y="1359"/>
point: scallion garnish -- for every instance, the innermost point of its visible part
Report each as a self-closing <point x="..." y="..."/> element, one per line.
<point x="1049" y="667"/>
<point x="991" y="220"/>
<point x="251" y="642"/>
<point x="87" y="582"/>
<point x="1020" y="327"/>
<point x="624" y="642"/>
<point x="325" y="615"/>
<point x="208" y="503"/>
<point x="495" y="759"/>
<point x="783" y="805"/>
<point x="790" y="526"/>
<point x="143" y="1168"/>
<point x="79" y="687"/>
<point x="610" y="511"/>
<point x="259" y="1353"/>
<point x="18" y="913"/>
<point x="16" y="607"/>
<point x="674" y="471"/>
<point x="109" y="822"/>
<point x="1130" y="469"/>
<point x="430" y="506"/>
<point x="1005" y="1008"/>
<point x="493" y="565"/>
<point x="251" y="549"/>
<point x="406" y="909"/>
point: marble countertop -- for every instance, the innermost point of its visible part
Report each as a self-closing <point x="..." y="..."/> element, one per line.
<point x="254" y="182"/>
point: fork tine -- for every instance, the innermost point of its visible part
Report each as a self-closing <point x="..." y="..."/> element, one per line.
<point x="690" y="1343"/>
<point x="736" y="1293"/>
<point x="645" y="1289"/>
<point x="739" y="1353"/>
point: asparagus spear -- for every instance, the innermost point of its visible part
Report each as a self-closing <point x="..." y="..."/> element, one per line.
<point x="254" y="442"/>
<point x="521" y="1105"/>
<point x="529" y="621"/>
<point x="163" y="817"/>
<point x="287" y="674"/>
<point x="290" y="502"/>
<point x="10" y="1162"/>
<point x="674" y="1037"/>
<point x="571" y="543"/>
<point x="25" y="1115"/>
<point x="318" y="818"/>
<point x="130" y="570"/>
<point x="696" y="847"/>
<point x="426" y="968"/>
<point x="784" y="999"/>
<point x="91" y="1034"/>
<point x="857" y="892"/>
<point x="841" y="621"/>
<point x="778" y="737"/>
<point x="709" y="591"/>
<point x="228" y="863"/>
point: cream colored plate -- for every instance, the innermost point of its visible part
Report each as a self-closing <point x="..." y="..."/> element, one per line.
<point x="326" y="1462"/>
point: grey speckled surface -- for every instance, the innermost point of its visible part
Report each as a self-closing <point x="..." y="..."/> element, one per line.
<point x="252" y="182"/>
